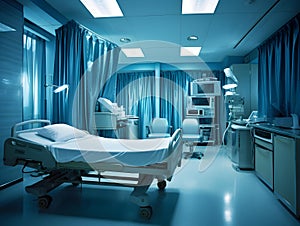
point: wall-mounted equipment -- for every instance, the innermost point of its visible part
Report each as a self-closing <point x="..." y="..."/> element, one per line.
<point x="205" y="88"/>
<point x="231" y="81"/>
<point x="58" y="89"/>
<point x="233" y="100"/>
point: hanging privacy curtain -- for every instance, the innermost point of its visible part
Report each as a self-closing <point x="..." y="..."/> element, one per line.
<point x="279" y="72"/>
<point x="173" y="94"/>
<point x="136" y="92"/>
<point x="34" y="71"/>
<point x="84" y="61"/>
<point x="140" y="96"/>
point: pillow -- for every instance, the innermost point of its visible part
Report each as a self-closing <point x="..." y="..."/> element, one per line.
<point x="61" y="132"/>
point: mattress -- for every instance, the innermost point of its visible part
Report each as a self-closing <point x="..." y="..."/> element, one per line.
<point x="92" y="149"/>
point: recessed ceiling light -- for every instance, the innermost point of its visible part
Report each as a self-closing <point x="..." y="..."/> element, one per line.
<point x="125" y="40"/>
<point x="192" y="38"/>
<point x="190" y="51"/>
<point x="133" y="52"/>
<point x="103" y="8"/>
<point x="198" y="6"/>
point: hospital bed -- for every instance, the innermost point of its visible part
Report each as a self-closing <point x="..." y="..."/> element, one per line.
<point x="62" y="153"/>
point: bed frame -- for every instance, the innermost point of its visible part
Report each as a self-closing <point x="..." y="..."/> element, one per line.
<point x="21" y="152"/>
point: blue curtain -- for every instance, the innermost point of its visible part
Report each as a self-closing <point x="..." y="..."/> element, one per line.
<point x="84" y="61"/>
<point x="34" y="72"/>
<point x="279" y="72"/>
<point x="136" y="92"/>
<point x="69" y="65"/>
<point x="173" y="92"/>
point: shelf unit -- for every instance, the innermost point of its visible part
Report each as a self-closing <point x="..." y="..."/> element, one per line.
<point x="208" y="116"/>
<point x="210" y="133"/>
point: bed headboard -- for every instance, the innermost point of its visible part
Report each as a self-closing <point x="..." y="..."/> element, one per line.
<point x="19" y="126"/>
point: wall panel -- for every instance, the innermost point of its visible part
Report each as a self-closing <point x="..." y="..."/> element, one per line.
<point x="11" y="55"/>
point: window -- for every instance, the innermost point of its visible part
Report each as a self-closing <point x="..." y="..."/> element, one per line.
<point x="33" y="76"/>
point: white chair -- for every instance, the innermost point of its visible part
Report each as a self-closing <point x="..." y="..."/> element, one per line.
<point x="159" y="128"/>
<point x="191" y="134"/>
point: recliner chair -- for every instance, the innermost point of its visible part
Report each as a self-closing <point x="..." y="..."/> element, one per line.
<point x="159" y="128"/>
<point x="191" y="134"/>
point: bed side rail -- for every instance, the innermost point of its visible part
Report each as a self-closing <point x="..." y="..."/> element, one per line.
<point x="175" y="139"/>
<point x="18" y="126"/>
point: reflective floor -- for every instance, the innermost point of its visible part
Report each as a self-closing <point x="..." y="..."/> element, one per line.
<point x="202" y="192"/>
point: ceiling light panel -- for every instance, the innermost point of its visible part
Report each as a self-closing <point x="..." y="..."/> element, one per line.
<point x="199" y="6"/>
<point x="103" y="8"/>
<point x="133" y="52"/>
<point x="190" y="51"/>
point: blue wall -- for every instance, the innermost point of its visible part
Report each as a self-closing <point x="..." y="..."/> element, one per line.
<point x="11" y="45"/>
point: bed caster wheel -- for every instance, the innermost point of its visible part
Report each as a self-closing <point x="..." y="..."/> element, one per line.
<point x="162" y="185"/>
<point x="146" y="212"/>
<point x="77" y="181"/>
<point x="75" y="184"/>
<point x="44" y="201"/>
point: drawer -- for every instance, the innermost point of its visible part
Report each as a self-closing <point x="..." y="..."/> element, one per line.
<point x="264" y="165"/>
<point x="264" y="144"/>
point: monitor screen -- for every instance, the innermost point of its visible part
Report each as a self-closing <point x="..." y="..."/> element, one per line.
<point x="200" y="101"/>
<point x="206" y="88"/>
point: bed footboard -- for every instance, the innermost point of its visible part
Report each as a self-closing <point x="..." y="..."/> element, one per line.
<point x="175" y="158"/>
<point x="19" y="152"/>
<point x="175" y="140"/>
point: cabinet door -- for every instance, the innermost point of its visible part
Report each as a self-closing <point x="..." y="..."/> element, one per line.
<point x="264" y="165"/>
<point x="285" y="169"/>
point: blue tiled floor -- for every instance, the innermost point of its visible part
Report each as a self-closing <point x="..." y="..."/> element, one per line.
<point x="207" y="192"/>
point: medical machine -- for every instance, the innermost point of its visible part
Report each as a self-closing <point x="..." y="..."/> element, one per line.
<point x="107" y="106"/>
<point x="201" y="87"/>
<point x="202" y="106"/>
<point x="235" y="105"/>
<point x="233" y="101"/>
<point x="112" y="117"/>
<point x="64" y="154"/>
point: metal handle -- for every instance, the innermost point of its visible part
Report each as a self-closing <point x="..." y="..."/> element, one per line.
<point x="28" y="122"/>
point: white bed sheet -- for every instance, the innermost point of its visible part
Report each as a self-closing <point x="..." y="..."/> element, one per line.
<point x="93" y="149"/>
<point x="34" y="137"/>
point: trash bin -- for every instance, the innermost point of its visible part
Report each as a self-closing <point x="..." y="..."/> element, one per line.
<point x="242" y="153"/>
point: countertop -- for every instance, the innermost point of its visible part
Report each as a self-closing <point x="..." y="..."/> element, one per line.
<point x="295" y="133"/>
